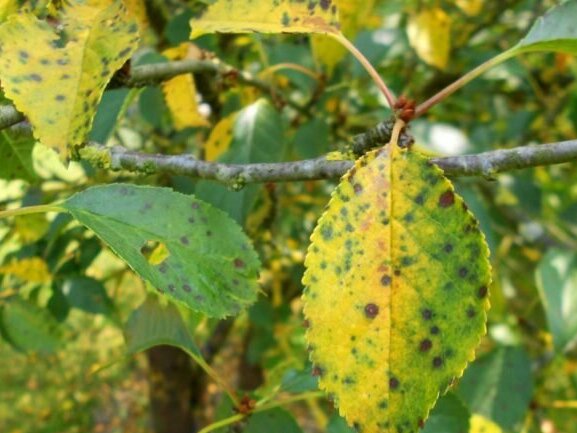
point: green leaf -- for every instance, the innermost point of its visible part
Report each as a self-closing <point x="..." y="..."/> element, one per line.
<point x="264" y="16"/>
<point x="16" y="156"/>
<point x="257" y="137"/>
<point x="86" y="294"/>
<point x="499" y="386"/>
<point x="153" y="324"/>
<point x="106" y="117"/>
<point x="555" y="31"/>
<point x="557" y="283"/>
<point x="450" y="415"/>
<point x="207" y="262"/>
<point x="274" y="420"/>
<point x="396" y="290"/>
<point x="30" y="328"/>
<point x="299" y="381"/>
<point x="58" y="84"/>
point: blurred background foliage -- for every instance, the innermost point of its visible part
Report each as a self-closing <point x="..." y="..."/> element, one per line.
<point x="65" y="300"/>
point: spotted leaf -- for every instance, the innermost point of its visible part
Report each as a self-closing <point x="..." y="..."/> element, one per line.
<point x="208" y="264"/>
<point x="429" y="34"/>
<point x="396" y="290"/>
<point x="265" y="16"/>
<point x="57" y="77"/>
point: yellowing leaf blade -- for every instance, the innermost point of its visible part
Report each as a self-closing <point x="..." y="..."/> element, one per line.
<point x="59" y="87"/>
<point x="429" y="34"/>
<point x="220" y="138"/>
<point x="265" y="16"/>
<point x="396" y="286"/>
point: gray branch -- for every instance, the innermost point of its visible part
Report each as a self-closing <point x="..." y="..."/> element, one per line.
<point x="9" y="116"/>
<point x="486" y="164"/>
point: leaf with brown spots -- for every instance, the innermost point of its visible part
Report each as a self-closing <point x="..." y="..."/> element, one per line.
<point x="266" y="16"/>
<point x="396" y="283"/>
<point x="58" y="87"/>
<point x="207" y="263"/>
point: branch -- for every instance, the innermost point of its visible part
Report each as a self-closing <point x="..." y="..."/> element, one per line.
<point x="483" y="164"/>
<point x="158" y="72"/>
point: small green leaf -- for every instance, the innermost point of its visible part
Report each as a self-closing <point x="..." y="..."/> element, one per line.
<point x="556" y="31"/>
<point x="153" y="324"/>
<point x="557" y="284"/>
<point x="30" y="328"/>
<point x="207" y="262"/>
<point x="299" y="381"/>
<point x="499" y="386"/>
<point x="274" y="420"/>
<point x="106" y="117"/>
<point x="337" y="424"/>
<point x="86" y="294"/>
<point x="58" y="87"/>
<point x="450" y="415"/>
<point x="16" y="156"/>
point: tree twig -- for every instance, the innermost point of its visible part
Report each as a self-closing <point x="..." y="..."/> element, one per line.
<point x="486" y="164"/>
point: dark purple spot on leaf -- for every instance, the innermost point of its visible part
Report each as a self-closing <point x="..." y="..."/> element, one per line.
<point x="447" y="199"/>
<point x="425" y="345"/>
<point x="371" y="310"/>
<point x="463" y="272"/>
<point x="435" y="330"/>
<point x="437" y="362"/>
<point x="448" y="248"/>
<point x="184" y="240"/>
<point x="187" y="288"/>
<point x="394" y="383"/>
<point x="427" y="314"/>
<point x="358" y="188"/>
<point x="386" y="280"/>
<point x="238" y="263"/>
<point x="482" y="292"/>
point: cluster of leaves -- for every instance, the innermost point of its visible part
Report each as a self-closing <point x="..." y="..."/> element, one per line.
<point x="403" y="321"/>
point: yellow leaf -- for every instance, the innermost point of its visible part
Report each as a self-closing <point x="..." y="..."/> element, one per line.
<point x="31" y="228"/>
<point x="396" y="290"/>
<point x="470" y="7"/>
<point x="32" y="269"/>
<point x="220" y="138"/>
<point x="266" y="16"/>
<point x="430" y="35"/>
<point x="137" y="9"/>
<point x="7" y="7"/>
<point x="354" y="15"/>
<point x="480" y="424"/>
<point x="180" y="92"/>
<point x="59" y="87"/>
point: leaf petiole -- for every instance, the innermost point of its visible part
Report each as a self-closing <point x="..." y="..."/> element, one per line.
<point x="31" y="210"/>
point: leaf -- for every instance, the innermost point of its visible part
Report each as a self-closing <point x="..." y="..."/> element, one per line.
<point x="556" y="31"/>
<point x="16" y="154"/>
<point x="180" y="93"/>
<point x="211" y="266"/>
<point x="557" y="283"/>
<point x="7" y="7"/>
<point x="106" y="118"/>
<point x="220" y="138"/>
<point x="429" y="34"/>
<point x="480" y="424"/>
<point x="274" y="420"/>
<point x="30" y="328"/>
<point x="59" y="87"/>
<point x="449" y="416"/>
<point x="337" y="424"/>
<point x="299" y="381"/>
<point x="470" y="7"/>
<point x="153" y="324"/>
<point x="396" y="283"/>
<point x="86" y="294"/>
<point x="30" y="269"/>
<point x="265" y="16"/>
<point x="499" y="386"/>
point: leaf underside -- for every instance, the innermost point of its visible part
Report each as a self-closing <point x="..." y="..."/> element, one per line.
<point x="208" y="263"/>
<point x="265" y="16"/>
<point x="58" y="87"/>
<point x="396" y="291"/>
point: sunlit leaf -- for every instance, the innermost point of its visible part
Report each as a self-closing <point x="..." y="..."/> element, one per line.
<point x="181" y="95"/>
<point x="7" y="7"/>
<point x="16" y="156"/>
<point x="31" y="228"/>
<point x="265" y="16"/>
<point x="430" y="35"/>
<point x="557" y="284"/>
<point x="58" y="86"/>
<point x="499" y="386"/>
<point x="396" y="290"/>
<point x="153" y="324"/>
<point x="480" y="424"/>
<point x="220" y="138"/>
<point x="211" y="266"/>
<point x="29" y="327"/>
<point x="556" y="31"/>
<point x="30" y="269"/>
<point x="470" y="7"/>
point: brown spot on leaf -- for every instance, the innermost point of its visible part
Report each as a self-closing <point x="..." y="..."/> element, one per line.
<point x="463" y="272"/>
<point x="427" y="314"/>
<point x="371" y="310"/>
<point x="184" y="240"/>
<point x="394" y="383"/>
<point x="187" y="288"/>
<point x="386" y="280"/>
<point x="482" y="292"/>
<point x="437" y="362"/>
<point x="425" y="345"/>
<point x="447" y="198"/>
<point x="238" y="263"/>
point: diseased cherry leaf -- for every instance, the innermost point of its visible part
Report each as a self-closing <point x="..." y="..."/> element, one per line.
<point x="555" y="31"/>
<point x="396" y="290"/>
<point x="265" y="16"/>
<point x="57" y="77"/>
<point x="187" y="249"/>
